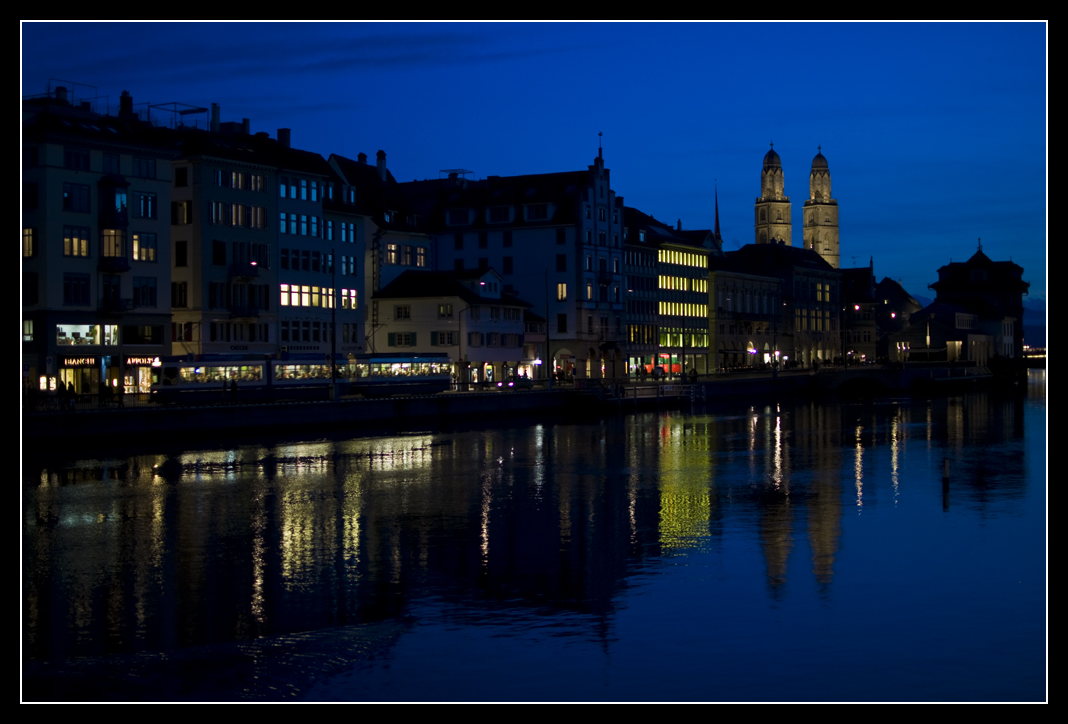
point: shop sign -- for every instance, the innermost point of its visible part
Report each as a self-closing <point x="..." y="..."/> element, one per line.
<point x="142" y="362"/>
<point x="80" y="361"/>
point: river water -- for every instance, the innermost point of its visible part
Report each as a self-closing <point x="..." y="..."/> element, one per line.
<point x="781" y="551"/>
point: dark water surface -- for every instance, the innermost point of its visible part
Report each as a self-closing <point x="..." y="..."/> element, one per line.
<point x="795" y="551"/>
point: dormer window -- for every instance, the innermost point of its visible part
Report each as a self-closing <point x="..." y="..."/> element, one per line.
<point x="537" y="212"/>
<point x="457" y="217"/>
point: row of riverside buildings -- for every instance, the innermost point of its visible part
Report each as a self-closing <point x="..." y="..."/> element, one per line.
<point x="143" y="240"/>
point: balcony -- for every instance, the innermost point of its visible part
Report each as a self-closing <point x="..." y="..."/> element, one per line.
<point x="244" y="270"/>
<point x="244" y="311"/>
<point x="114" y="305"/>
<point x="113" y="264"/>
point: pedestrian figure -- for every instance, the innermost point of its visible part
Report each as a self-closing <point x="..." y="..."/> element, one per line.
<point x="233" y="392"/>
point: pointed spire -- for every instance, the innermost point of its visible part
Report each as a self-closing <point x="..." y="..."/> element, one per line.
<point x="718" y="237"/>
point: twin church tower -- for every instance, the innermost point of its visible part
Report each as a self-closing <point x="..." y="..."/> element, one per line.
<point x="820" y="215"/>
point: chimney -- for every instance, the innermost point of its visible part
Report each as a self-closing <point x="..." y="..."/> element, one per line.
<point x="361" y="157"/>
<point x="214" y="118"/>
<point x="678" y="225"/>
<point x="283" y="136"/>
<point x="382" y="173"/>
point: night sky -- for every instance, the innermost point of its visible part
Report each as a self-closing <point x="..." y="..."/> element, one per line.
<point x="935" y="134"/>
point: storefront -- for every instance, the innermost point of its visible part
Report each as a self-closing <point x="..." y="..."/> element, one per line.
<point x="138" y="373"/>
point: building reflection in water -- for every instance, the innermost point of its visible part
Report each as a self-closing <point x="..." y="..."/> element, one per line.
<point x="150" y="552"/>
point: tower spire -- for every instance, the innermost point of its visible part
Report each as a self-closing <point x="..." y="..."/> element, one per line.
<point x="718" y="237"/>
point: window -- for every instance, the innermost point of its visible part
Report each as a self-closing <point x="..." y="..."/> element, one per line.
<point x="537" y="212"/>
<point x="483" y="263"/>
<point x="455" y="217"/>
<point x="391" y="253"/>
<point x="27" y="330"/>
<point x="146" y="206"/>
<point x="144" y="291"/>
<point x="561" y="262"/>
<point x="402" y="311"/>
<point x="29" y="242"/>
<point x="180" y="256"/>
<point x="458" y="241"/>
<point x="444" y="339"/>
<point x="75" y="289"/>
<point x="144" y="167"/>
<point x="29" y="288"/>
<point x="483" y="240"/>
<point x="507" y="265"/>
<point x="500" y="214"/>
<point x="111" y="163"/>
<point x="420" y="256"/>
<point x="561" y="292"/>
<point x="75" y="241"/>
<point x="218" y="253"/>
<point x="76" y="198"/>
<point x="181" y="176"/>
<point x="508" y="238"/>
<point x="444" y="311"/>
<point x="179" y="295"/>
<point x="181" y="212"/>
<point x="561" y="236"/>
<point x="76" y="158"/>
<point x="561" y="323"/>
<point x="602" y="214"/>
<point x="112" y="243"/>
<point x="401" y="339"/>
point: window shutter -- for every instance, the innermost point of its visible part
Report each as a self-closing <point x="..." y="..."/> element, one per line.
<point x="433" y="339"/>
<point x="390" y="339"/>
<point x="412" y="337"/>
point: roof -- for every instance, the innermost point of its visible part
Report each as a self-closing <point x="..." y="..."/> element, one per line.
<point x="413" y="284"/>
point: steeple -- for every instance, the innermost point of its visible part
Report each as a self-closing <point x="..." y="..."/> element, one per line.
<point x="772" y="206"/>
<point x="820" y="229"/>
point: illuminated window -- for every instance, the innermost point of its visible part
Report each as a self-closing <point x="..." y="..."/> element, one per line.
<point x="75" y="241"/>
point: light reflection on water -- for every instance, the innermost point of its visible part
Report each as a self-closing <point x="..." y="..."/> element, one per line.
<point x="607" y="560"/>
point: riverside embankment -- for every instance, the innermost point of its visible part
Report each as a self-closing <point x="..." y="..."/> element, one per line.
<point x="444" y="410"/>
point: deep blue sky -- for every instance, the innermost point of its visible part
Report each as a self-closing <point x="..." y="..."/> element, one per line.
<point x="936" y="134"/>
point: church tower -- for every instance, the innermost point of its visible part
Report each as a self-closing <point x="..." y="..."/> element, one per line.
<point x="773" y="207"/>
<point x="821" y="213"/>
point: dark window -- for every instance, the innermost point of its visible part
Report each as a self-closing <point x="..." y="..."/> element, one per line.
<point x="508" y="238"/>
<point x="483" y="240"/>
<point x="29" y="196"/>
<point x="218" y="253"/>
<point x="180" y="256"/>
<point x="181" y="212"/>
<point x="76" y="197"/>
<point x="111" y="163"/>
<point x="458" y="242"/>
<point x="179" y="295"/>
<point x="561" y="262"/>
<point x="483" y="263"/>
<point x="144" y="291"/>
<point x="181" y="176"/>
<point x="29" y="288"/>
<point x="561" y="322"/>
<point x="561" y="236"/>
<point x="76" y="158"/>
<point x="144" y="167"/>
<point x="75" y="289"/>
<point x="507" y="265"/>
